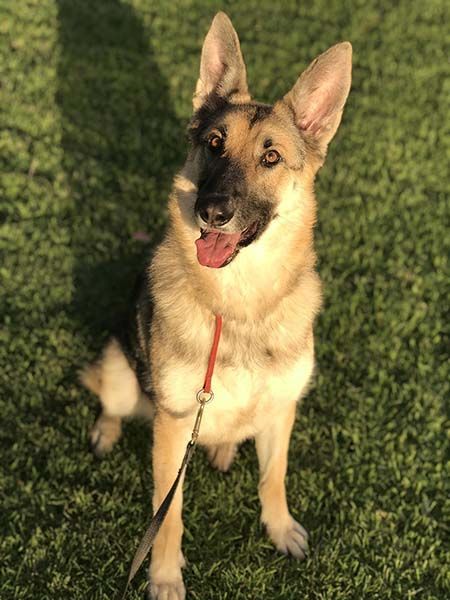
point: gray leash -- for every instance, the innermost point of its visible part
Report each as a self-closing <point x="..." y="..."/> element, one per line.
<point x="146" y="542"/>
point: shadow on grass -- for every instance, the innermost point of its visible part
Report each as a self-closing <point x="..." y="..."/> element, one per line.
<point x="121" y="144"/>
<point x="121" y="147"/>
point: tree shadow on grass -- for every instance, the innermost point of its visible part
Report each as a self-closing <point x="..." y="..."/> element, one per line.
<point x="121" y="147"/>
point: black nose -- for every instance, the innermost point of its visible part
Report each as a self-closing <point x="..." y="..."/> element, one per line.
<point x="214" y="212"/>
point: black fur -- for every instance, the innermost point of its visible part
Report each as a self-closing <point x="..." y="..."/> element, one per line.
<point x="133" y="333"/>
<point x="217" y="106"/>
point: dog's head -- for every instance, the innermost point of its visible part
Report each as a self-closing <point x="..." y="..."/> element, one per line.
<point x="245" y="155"/>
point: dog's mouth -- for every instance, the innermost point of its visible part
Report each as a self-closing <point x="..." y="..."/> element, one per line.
<point x="217" y="248"/>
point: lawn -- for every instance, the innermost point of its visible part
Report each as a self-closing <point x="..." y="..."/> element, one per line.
<point x="94" y="102"/>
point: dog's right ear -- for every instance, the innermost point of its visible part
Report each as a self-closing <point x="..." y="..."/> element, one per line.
<point x="222" y="68"/>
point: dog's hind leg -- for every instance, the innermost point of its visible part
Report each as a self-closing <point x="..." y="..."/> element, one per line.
<point x="221" y="456"/>
<point x="115" y="382"/>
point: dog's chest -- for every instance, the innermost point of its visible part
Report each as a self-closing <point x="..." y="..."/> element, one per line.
<point x="248" y="392"/>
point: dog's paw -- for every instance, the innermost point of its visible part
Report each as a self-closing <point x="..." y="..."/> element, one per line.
<point x="104" y="434"/>
<point x="290" y="538"/>
<point x="221" y="456"/>
<point x="173" y="590"/>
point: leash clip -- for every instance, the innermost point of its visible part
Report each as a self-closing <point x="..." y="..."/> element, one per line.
<point x="204" y="397"/>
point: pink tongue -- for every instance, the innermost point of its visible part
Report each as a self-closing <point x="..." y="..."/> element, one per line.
<point x="214" y="248"/>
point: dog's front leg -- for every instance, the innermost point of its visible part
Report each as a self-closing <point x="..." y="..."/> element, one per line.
<point x="272" y="446"/>
<point x="170" y="436"/>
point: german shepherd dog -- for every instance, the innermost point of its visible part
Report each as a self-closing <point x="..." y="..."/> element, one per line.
<point x="239" y="244"/>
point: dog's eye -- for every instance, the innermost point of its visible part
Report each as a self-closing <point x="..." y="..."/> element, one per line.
<point x="271" y="158"/>
<point x="215" y="143"/>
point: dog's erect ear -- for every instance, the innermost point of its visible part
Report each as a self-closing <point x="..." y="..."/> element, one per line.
<point x="318" y="97"/>
<point x="222" y="68"/>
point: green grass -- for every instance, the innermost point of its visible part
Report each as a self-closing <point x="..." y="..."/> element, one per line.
<point x="94" y="101"/>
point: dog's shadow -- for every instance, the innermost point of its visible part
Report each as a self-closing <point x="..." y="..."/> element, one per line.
<point x="121" y="145"/>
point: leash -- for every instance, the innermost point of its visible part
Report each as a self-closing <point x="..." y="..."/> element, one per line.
<point x="204" y="395"/>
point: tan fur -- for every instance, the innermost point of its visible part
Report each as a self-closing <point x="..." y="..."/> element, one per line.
<point x="90" y="377"/>
<point x="268" y="296"/>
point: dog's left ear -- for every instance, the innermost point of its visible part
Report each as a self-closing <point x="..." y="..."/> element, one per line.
<point x="318" y="98"/>
<point x="222" y="68"/>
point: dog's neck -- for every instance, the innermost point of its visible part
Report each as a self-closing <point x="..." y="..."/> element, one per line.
<point x="263" y="273"/>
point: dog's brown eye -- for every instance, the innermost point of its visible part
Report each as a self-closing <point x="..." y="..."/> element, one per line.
<point x="271" y="158"/>
<point x="215" y="143"/>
